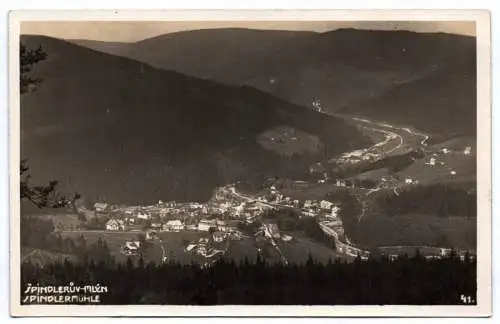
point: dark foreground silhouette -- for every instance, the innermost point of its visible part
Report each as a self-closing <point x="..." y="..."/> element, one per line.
<point x="378" y="281"/>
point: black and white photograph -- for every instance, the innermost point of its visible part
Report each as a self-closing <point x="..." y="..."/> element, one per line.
<point x="286" y="161"/>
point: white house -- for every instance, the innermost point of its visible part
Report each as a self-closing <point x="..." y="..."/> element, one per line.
<point x="143" y="215"/>
<point x="225" y="226"/>
<point x="432" y="161"/>
<point x="205" y="225"/>
<point x="115" y="225"/>
<point x="408" y="180"/>
<point x="131" y="246"/>
<point x="467" y="150"/>
<point x="444" y="251"/>
<point x="340" y="183"/>
<point x="175" y="225"/>
<point x="195" y="205"/>
<point x="156" y="226"/>
<point x="101" y="207"/>
<point x="444" y="150"/>
<point x="325" y="204"/>
<point x="307" y="204"/>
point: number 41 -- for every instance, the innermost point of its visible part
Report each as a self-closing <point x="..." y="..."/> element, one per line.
<point x="466" y="299"/>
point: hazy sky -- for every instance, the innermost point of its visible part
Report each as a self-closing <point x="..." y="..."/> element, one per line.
<point x="122" y="31"/>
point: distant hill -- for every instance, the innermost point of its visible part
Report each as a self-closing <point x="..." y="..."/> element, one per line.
<point x="116" y="129"/>
<point x="344" y="69"/>
<point x="224" y="55"/>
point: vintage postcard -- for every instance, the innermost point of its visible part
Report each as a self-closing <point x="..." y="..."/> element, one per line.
<point x="250" y="163"/>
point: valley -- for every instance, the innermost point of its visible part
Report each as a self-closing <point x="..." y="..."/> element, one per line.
<point x="130" y="126"/>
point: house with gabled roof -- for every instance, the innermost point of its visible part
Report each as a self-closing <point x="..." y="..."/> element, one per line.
<point x="115" y="225"/>
<point x="175" y="225"/>
<point x="101" y="207"/>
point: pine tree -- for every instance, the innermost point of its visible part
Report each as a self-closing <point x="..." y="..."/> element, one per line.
<point x="46" y="195"/>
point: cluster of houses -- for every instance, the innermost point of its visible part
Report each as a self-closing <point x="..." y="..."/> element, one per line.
<point x="177" y="225"/>
<point x="217" y="225"/>
<point x="410" y="181"/>
<point x="276" y="197"/>
<point x="272" y="231"/>
<point x="205" y="246"/>
<point x="388" y="181"/>
<point x="176" y="217"/>
<point x="434" y="158"/>
<point x="467" y="150"/>
<point x="232" y="211"/>
<point x="202" y="247"/>
<point x="357" y="156"/>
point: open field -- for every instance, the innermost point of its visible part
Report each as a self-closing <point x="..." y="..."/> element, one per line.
<point x="374" y="175"/>
<point x="458" y="143"/>
<point x="174" y="244"/>
<point x="289" y="141"/>
<point x="464" y="166"/>
<point x="315" y="191"/>
<point x="298" y="251"/>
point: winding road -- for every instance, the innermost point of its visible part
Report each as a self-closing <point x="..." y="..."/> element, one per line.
<point x="405" y="136"/>
<point x="395" y="139"/>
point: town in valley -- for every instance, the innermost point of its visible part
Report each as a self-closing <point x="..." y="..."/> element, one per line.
<point x="250" y="162"/>
<point x="233" y="215"/>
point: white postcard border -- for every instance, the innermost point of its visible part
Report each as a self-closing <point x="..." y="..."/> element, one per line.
<point x="484" y="294"/>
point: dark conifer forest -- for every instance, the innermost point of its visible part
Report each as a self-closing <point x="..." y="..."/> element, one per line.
<point x="378" y="281"/>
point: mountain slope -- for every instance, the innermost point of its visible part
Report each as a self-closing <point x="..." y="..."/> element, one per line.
<point x="224" y="55"/>
<point x="288" y="64"/>
<point x="344" y="69"/>
<point x="441" y="104"/>
<point x="116" y="129"/>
